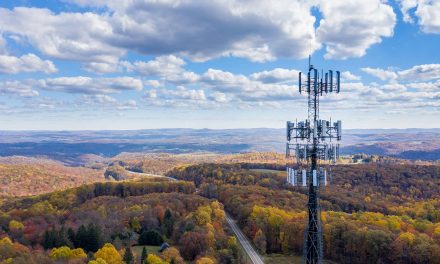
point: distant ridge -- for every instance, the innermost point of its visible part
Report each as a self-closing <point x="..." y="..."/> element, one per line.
<point x="68" y="146"/>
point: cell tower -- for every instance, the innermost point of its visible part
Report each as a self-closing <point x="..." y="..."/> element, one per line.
<point x="308" y="139"/>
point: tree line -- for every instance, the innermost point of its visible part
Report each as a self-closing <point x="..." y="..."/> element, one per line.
<point x="373" y="213"/>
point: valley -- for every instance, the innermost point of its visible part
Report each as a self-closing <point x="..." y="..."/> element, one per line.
<point x="377" y="205"/>
<point x="377" y="208"/>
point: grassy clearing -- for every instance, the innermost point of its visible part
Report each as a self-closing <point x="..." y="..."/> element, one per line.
<point x="282" y="259"/>
<point x="137" y="251"/>
<point x="287" y="259"/>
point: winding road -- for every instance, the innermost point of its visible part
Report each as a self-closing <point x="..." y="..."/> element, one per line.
<point x="151" y="175"/>
<point x="250" y="251"/>
<point x="253" y="255"/>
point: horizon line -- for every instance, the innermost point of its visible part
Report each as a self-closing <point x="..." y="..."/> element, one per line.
<point x="188" y="128"/>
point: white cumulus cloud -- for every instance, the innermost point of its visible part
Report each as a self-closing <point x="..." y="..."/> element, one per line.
<point x="276" y="75"/>
<point x="88" y="85"/>
<point x="2" y="45"/>
<point x="422" y="72"/>
<point x="20" y="88"/>
<point x="72" y="36"/>
<point x="427" y="13"/>
<point x="349" y="28"/>
<point x="417" y="73"/>
<point x="380" y="73"/>
<point x="108" y="101"/>
<point x="160" y="66"/>
<point x="26" y="63"/>
<point x="201" y="30"/>
<point x="348" y="76"/>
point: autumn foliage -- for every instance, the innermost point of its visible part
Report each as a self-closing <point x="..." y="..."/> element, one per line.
<point x="95" y="223"/>
<point x="372" y="213"/>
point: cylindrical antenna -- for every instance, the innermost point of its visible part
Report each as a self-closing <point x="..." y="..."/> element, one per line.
<point x="338" y="81"/>
<point x="331" y="81"/>
<point x="315" y="81"/>
<point x="308" y="82"/>
<point x="321" y="87"/>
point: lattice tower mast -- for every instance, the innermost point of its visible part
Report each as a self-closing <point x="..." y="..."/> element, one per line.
<point x="310" y="148"/>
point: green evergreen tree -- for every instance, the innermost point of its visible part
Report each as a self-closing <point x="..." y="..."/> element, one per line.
<point x="55" y="238"/>
<point x="62" y="238"/>
<point x="144" y="255"/>
<point x="88" y="238"/>
<point x="49" y="239"/>
<point x="150" y="237"/>
<point x="72" y="236"/>
<point x="94" y="240"/>
<point x="128" y="256"/>
<point x="81" y="238"/>
<point x="168" y="223"/>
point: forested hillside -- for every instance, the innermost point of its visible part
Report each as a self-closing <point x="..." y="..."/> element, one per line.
<point x="28" y="176"/>
<point x="372" y="213"/>
<point x="116" y="223"/>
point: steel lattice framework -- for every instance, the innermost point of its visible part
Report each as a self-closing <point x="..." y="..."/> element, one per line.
<point x="310" y="147"/>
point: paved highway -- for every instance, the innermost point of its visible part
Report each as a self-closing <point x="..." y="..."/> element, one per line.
<point x="253" y="255"/>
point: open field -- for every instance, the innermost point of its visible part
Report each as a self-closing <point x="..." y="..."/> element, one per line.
<point x="282" y="259"/>
<point x="137" y="251"/>
<point x="287" y="259"/>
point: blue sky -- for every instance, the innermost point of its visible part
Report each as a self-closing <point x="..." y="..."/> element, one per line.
<point x="135" y="64"/>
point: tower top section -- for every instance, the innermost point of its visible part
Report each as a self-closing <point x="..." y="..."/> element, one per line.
<point x="330" y="82"/>
<point x="308" y="138"/>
